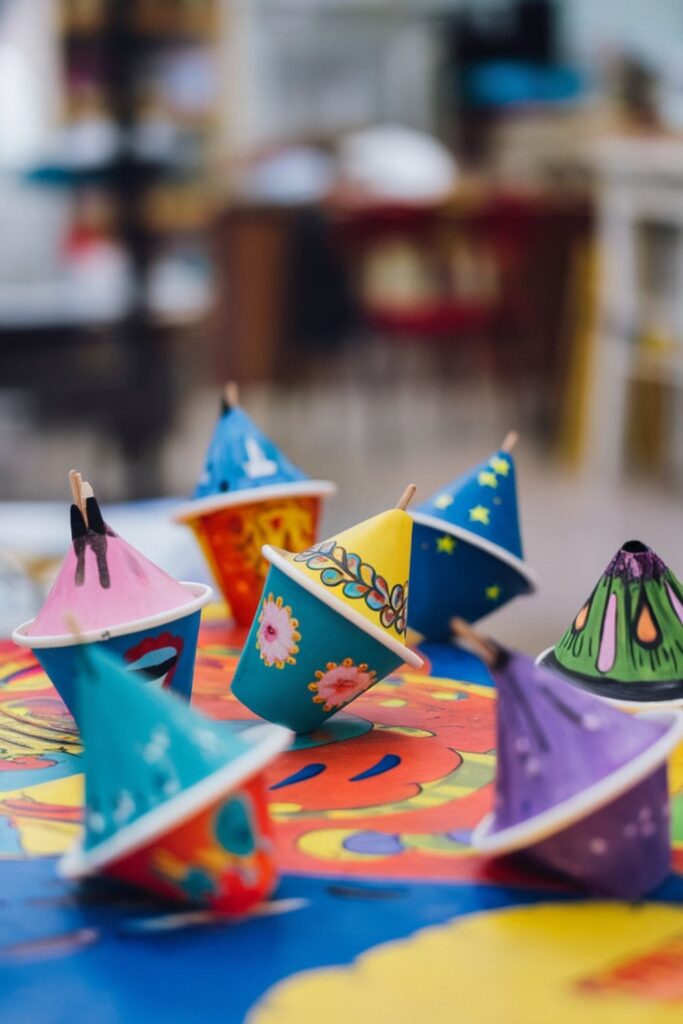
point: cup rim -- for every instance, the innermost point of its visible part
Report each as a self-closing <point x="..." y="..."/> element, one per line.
<point x="276" y="557"/>
<point x="617" y="702"/>
<point x="202" y="595"/>
<point x="518" y="564"/>
<point x="194" y="509"/>
<point x="572" y="810"/>
<point x="266" y="742"/>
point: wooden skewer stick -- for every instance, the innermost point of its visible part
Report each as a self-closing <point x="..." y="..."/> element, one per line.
<point x="75" y="626"/>
<point x="75" y="484"/>
<point x="86" y="492"/>
<point x="76" y="481"/>
<point x="231" y="393"/>
<point x="406" y="497"/>
<point x="511" y="439"/>
<point x="479" y="644"/>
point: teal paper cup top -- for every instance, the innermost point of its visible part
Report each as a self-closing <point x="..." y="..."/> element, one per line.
<point x="307" y="654"/>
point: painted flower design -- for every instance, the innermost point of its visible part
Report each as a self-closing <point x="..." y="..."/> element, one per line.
<point x="339" y="684"/>
<point x="277" y="636"/>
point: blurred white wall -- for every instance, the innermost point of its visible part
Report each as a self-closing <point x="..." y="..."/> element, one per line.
<point x="30" y="79"/>
<point x="649" y="29"/>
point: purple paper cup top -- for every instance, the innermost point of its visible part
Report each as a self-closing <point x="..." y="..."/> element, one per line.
<point x="486" y="839"/>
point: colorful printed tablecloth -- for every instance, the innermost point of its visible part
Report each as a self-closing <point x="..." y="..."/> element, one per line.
<point x="383" y="912"/>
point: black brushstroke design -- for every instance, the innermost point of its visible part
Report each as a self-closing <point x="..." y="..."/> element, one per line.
<point x="95" y="520"/>
<point x="94" y="536"/>
<point x="576" y="717"/>
<point x="78" y="527"/>
<point x="650" y="692"/>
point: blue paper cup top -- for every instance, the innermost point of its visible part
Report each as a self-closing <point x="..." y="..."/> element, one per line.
<point x="450" y="576"/>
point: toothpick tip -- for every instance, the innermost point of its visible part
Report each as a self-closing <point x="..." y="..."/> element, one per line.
<point x="406" y="497"/>
<point x="511" y="439"/>
<point x="482" y="646"/>
<point x="231" y="393"/>
<point x="75" y="484"/>
<point x="74" y="625"/>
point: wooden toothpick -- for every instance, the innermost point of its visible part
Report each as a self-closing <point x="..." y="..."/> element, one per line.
<point x="75" y="626"/>
<point x="86" y="492"/>
<point x="76" y="481"/>
<point x="511" y="439"/>
<point x="406" y="497"/>
<point x="231" y="393"/>
<point x="482" y="647"/>
<point x="75" y="484"/>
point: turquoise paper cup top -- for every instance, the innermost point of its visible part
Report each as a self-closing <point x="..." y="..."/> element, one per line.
<point x="160" y="650"/>
<point x="304" y="660"/>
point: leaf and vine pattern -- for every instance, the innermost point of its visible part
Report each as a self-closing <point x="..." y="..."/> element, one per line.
<point x="359" y="581"/>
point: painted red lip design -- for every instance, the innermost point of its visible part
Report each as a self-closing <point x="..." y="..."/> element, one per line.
<point x="156" y="658"/>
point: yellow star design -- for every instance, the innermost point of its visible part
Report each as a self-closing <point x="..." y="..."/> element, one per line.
<point x="487" y="479"/>
<point x="480" y="514"/>
<point x="501" y="466"/>
<point x="443" y="501"/>
<point x="446" y="544"/>
<point x="493" y="592"/>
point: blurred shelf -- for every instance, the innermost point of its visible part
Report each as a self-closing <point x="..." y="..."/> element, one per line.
<point x="81" y="18"/>
<point x="356" y="8"/>
<point x="168" y="20"/>
<point x="632" y="362"/>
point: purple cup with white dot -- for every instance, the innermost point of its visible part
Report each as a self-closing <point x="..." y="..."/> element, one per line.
<point x="622" y="850"/>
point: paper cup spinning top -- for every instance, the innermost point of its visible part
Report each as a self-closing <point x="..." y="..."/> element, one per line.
<point x="122" y="601"/>
<point x="331" y="623"/>
<point x="249" y="495"/>
<point x="467" y="555"/>
<point x="174" y="803"/>
<point x="581" y="787"/>
<point x="626" y="643"/>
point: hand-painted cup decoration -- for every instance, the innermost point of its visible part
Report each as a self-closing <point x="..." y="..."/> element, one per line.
<point x="467" y="555"/>
<point x="175" y="803"/>
<point x="626" y="642"/>
<point x="581" y="787"/>
<point x="331" y="623"/>
<point x="249" y="495"/>
<point x="121" y="601"/>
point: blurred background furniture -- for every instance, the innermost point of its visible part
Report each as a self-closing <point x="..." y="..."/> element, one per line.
<point x="637" y="408"/>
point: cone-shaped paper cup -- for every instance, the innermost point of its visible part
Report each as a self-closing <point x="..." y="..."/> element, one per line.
<point x="249" y="495"/>
<point x="626" y="642"/>
<point x="580" y="786"/>
<point x="175" y="804"/>
<point x="159" y="650"/>
<point x="121" y="601"/>
<point x="330" y="625"/>
<point x="232" y="538"/>
<point x="467" y="558"/>
<point x="594" y="854"/>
